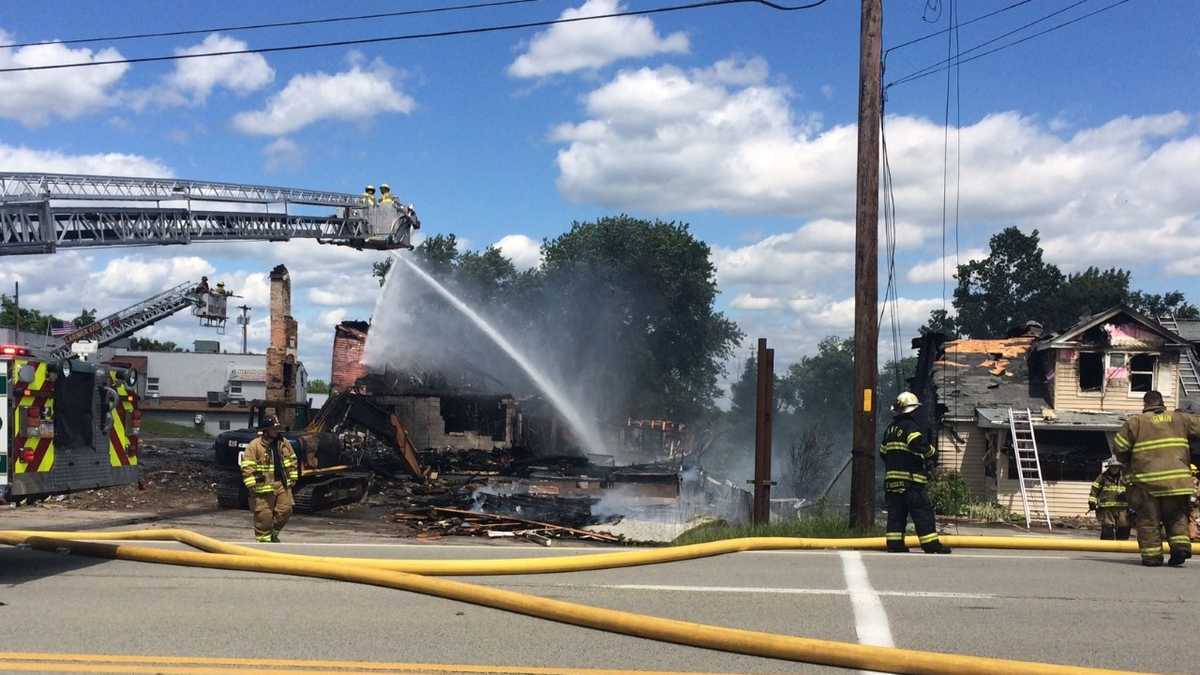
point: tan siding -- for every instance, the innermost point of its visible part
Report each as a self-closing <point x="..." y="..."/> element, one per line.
<point x="1064" y="498"/>
<point x="965" y="454"/>
<point x="1116" y="396"/>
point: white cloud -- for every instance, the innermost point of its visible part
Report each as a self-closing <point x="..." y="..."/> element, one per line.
<point x="525" y="253"/>
<point x="35" y="97"/>
<point x="588" y="45"/>
<point x="754" y="303"/>
<point x="930" y="272"/>
<point x="664" y="139"/>
<point x="356" y="95"/>
<point x="20" y="158"/>
<point x="283" y="154"/>
<point x="839" y="315"/>
<point x="239" y="73"/>
<point x="827" y="91"/>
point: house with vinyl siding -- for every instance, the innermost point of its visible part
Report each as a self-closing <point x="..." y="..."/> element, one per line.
<point x="1079" y="387"/>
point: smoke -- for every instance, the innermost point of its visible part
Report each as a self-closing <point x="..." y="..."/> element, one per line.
<point x="417" y="334"/>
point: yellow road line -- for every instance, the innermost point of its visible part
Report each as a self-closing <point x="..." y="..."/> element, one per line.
<point x="106" y="663"/>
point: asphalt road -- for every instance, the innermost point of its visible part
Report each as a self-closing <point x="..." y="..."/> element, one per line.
<point x="1083" y="609"/>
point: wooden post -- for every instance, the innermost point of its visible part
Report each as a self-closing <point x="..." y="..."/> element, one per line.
<point x="764" y="411"/>
<point x="866" y="267"/>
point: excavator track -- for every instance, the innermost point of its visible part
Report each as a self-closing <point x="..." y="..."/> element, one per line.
<point x="326" y="492"/>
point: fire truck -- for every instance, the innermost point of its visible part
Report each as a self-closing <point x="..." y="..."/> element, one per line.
<point x="65" y="425"/>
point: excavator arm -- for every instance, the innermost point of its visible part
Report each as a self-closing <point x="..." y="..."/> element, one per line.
<point x="354" y="410"/>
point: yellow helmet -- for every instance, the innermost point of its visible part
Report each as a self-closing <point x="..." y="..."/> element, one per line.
<point x="1193" y="468"/>
<point x="906" y="402"/>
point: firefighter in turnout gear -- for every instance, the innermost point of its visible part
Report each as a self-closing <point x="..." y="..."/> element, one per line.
<point x="1154" y="447"/>
<point x="368" y="196"/>
<point x="1108" y="500"/>
<point x="269" y="470"/>
<point x="906" y="453"/>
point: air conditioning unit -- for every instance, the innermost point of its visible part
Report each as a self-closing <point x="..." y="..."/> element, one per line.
<point x="216" y="398"/>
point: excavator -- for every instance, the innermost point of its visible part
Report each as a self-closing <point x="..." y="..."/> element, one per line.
<point x="329" y="447"/>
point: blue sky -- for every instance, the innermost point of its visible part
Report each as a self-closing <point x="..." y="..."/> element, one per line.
<point x="736" y="119"/>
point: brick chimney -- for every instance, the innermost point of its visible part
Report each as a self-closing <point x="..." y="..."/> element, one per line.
<point x="281" y="353"/>
<point x="349" y="340"/>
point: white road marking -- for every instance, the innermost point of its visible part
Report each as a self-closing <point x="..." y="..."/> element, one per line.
<point x="786" y="591"/>
<point x="870" y="620"/>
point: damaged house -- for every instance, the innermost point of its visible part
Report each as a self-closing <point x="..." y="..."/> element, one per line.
<point x="1079" y="386"/>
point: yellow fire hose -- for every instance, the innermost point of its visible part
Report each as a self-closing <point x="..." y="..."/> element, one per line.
<point x="596" y="561"/>
<point x="769" y="645"/>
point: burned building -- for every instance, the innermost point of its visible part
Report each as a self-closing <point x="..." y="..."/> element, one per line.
<point x="282" y="361"/>
<point x="1079" y="386"/>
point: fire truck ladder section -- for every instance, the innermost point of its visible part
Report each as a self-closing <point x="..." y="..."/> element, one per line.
<point x="207" y="305"/>
<point x="1189" y="374"/>
<point x="1029" y="469"/>
<point x="41" y="213"/>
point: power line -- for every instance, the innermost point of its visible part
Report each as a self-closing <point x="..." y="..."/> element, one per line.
<point x="418" y="36"/>
<point x="964" y="23"/>
<point x="925" y="72"/>
<point x="1001" y="36"/>
<point x="279" y="24"/>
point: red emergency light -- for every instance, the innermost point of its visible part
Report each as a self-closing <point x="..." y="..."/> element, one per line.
<point x="14" y="350"/>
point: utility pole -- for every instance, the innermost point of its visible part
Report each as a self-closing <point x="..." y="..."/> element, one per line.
<point x="245" y="321"/>
<point x="764" y="415"/>
<point x="866" y="266"/>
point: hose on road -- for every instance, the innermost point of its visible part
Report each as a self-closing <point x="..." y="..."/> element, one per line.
<point x="769" y="645"/>
<point x="598" y="561"/>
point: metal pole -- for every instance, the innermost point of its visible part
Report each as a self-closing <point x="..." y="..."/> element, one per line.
<point x="866" y="267"/>
<point x="17" y="307"/>
<point x="245" y="324"/>
<point x="764" y="410"/>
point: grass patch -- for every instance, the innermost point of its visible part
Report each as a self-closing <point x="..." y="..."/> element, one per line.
<point x="819" y="525"/>
<point x="152" y="428"/>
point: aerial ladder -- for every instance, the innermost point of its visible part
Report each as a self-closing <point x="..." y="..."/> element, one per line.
<point x="206" y="304"/>
<point x="42" y="212"/>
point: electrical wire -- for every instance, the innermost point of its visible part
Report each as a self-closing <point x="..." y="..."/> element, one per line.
<point x="279" y="24"/>
<point x="944" y="30"/>
<point x="925" y="72"/>
<point x="419" y="36"/>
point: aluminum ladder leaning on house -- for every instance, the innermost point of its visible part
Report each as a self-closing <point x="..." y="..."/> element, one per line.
<point x="1189" y="374"/>
<point x="1029" y="468"/>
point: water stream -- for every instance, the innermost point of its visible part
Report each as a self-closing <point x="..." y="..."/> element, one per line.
<point x="585" y="434"/>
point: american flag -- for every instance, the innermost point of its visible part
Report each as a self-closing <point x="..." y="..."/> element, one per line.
<point x="63" y="328"/>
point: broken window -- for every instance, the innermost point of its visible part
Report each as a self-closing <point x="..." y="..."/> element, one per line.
<point x="1141" y="372"/>
<point x="1067" y="455"/>
<point x="1091" y="371"/>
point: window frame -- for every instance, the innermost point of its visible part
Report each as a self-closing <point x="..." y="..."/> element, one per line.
<point x="1153" y="372"/>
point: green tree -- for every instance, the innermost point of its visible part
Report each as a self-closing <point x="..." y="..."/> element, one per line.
<point x="32" y="320"/>
<point x="645" y="290"/>
<point x="1093" y="290"/>
<point x="1158" y="305"/>
<point x="148" y="345"/>
<point x="1012" y="285"/>
<point x="317" y="387"/>
<point x="86" y="317"/>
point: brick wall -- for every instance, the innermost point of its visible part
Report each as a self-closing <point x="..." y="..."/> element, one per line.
<point x="349" y="340"/>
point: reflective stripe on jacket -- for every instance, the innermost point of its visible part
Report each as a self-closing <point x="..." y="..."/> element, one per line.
<point x="1154" y="447"/>
<point x="258" y="466"/>
<point x="1108" y="492"/>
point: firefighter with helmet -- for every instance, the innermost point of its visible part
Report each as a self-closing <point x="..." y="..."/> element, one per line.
<point x="906" y="456"/>
<point x="1108" y="500"/>
<point x="368" y="196"/>
<point x="385" y="194"/>
<point x="1154" y="445"/>
<point x="269" y="470"/>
